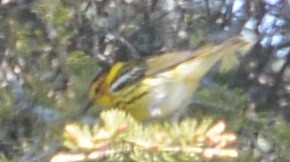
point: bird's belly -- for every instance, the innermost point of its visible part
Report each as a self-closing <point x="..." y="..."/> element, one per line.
<point x="169" y="95"/>
<point x="177" y="100"/>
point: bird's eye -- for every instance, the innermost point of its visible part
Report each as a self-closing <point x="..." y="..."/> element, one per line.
<point x="97" y="86"/>
<point x="96" y="89"/>
<point x="98" y="81"/>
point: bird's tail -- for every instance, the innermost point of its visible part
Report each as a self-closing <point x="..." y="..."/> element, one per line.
<point x="207" y="56"/>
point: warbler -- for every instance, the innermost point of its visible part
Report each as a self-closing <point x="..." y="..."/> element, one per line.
<point x="159" y="86"/>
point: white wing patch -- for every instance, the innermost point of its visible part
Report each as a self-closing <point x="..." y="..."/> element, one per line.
<point x="130" y="75"/>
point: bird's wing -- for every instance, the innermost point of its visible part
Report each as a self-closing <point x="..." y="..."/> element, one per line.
<point x="167" y="61"/>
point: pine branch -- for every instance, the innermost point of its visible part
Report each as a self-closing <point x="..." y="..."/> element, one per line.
<point x="121" y="137"/>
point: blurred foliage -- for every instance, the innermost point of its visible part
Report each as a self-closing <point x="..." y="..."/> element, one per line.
<point x="50" y="50"/>
<point x="121" y="138"/>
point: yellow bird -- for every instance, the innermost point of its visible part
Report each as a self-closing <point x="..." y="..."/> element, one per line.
<point x="159" y="86"/>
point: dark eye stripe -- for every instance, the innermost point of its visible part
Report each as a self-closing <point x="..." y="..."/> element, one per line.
<point x="98" y="85"/>
<point x="98" y="80"/>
